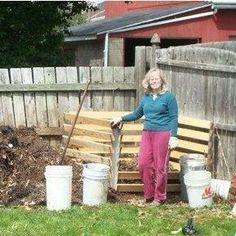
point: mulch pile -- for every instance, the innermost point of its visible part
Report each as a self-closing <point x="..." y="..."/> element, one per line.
<point x="232" y="191"/>
<point x="23" y="158"/>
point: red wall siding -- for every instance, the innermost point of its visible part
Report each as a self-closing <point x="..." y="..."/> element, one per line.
<point x="116" y="8"/>
<point x="212" y="28"/>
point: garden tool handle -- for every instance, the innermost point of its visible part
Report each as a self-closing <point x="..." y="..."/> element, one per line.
<point x="75" y="120"/>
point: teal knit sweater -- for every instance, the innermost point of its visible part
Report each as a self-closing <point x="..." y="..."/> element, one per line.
<point x="160" y="114"/>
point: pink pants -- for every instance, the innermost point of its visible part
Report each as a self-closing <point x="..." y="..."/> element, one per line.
<point x="153" y="163"/>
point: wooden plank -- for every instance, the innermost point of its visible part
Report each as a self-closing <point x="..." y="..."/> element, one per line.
<point x="87" y="157"/>
<point x="40" y="98"/>
<point x="18" y="99"/>
<point x="69" y="118"/>
<point x="129" y="158"/>
<point x="192" y="147"/>
<point x="84" y="77"/>
<point x="103" y="114"/>
<point x="175" y="154"/>
<point x="6" y="101"/>
<point x="108" y="95"/>
<point x="63" y="103"/>
<point x="1" y="112"/>
<point x="50" y="131"/>
<point x="94" y="147"/>
<point x="193" y="134"/>
<point x="51" y="98"/>
<point x="88" y="132"/>
<point x="29" y="98"/>
<point x="95" y="127"/>
<point x="226" y="127"/>
<point x="198" y="123"/>
<point x="174" y="166"/>
<point x="135" y="175"/>
<point x="94" y="139"/>
<point x="140" y="70"/>
<point x="96" y="77"/>
<point x="67" y="87"/>
<point x="128" y="175"/>
<point x="73" y="96"/>
<point x="139" y="187"/>
<point x="52" y="109"/>
<point x="197" y="66"/>
<point x="129" y="150"/>
<point x="118" y="95"/>
<point x="129" y="96"/>
<point x="92" y="150"/>
<point x="131" y="138"/>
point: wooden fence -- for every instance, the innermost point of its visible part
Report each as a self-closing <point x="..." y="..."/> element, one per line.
<point x="40" y="96"/>
<point x="204" y="81"/>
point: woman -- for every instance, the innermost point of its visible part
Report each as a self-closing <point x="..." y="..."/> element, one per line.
<point x="160" y="110"/>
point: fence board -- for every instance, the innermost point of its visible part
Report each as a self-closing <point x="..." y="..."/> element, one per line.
<point x="84" y="76"/>
<point x="129" y="96"/>
<point x="119" y="76"/>
<point x="18" y="99"/>
<point x="29" y="99"/>
<point x="96" y="77"/>
<point x="108" y="95"/>
<point x="52" y="109"/>
<point x="1" y="111"/>
<point x="63" y="103"/>
<point x="40" y="99"/>
<point x="72" y="77"/>
<point x="6" y="101"/>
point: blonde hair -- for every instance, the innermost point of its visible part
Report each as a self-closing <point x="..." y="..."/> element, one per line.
<point x="157" y="73"/>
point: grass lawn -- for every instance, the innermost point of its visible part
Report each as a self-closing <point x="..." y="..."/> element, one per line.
<point x="115" y="219"/>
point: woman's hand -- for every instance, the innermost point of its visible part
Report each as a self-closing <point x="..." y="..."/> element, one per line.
<point x="173" y="142"/>
<point x="115" y="121"/>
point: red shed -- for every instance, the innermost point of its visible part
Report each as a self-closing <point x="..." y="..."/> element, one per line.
<point x="112" y="41"/>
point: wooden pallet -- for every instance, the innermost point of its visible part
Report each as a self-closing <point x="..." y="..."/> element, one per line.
<point x="94" y="141"/>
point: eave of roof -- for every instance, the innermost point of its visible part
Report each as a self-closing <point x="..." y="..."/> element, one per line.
<point x="129" y="20"/>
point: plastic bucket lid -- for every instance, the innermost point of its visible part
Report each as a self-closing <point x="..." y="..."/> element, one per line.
<point x="96" y="170"/>
<point x="97" y="167"/>
<point x="58" y="170"/>
<point x="192" y="159"/>
<point x="197" y="178"/>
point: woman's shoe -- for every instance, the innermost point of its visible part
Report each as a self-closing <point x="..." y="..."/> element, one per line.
<point x="149" y="200"/>
<point x="157" y="202"/>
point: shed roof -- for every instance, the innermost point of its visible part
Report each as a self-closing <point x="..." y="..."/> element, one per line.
<point x="135" y="18"/>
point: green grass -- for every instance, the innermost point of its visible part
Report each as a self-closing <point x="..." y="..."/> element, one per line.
<point x="116" y="220"/>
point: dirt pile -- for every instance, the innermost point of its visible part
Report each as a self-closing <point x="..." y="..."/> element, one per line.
<point x="232" y="191"/>
<point x="23" y="158"/>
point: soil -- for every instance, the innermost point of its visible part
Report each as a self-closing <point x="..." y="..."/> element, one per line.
<point x="23" y="158"/>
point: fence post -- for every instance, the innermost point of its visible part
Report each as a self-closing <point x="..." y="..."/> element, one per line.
<point x="140" y="70"/>
<point x="155" y="41"/>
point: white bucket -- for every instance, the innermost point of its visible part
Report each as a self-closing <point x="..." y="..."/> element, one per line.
<point x="197" y="183"/>
<point x="220" y="187"/>
<point x="58" y="187"/>
<point x="189" y="162"/>
<point x="95" y="183"/>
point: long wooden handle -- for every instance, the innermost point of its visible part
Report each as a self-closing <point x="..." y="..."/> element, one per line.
<point x="75" y="120"/>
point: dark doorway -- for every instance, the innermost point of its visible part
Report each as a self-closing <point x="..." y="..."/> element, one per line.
<point x="165" y="43"/>
<point x="131" y="43"/>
